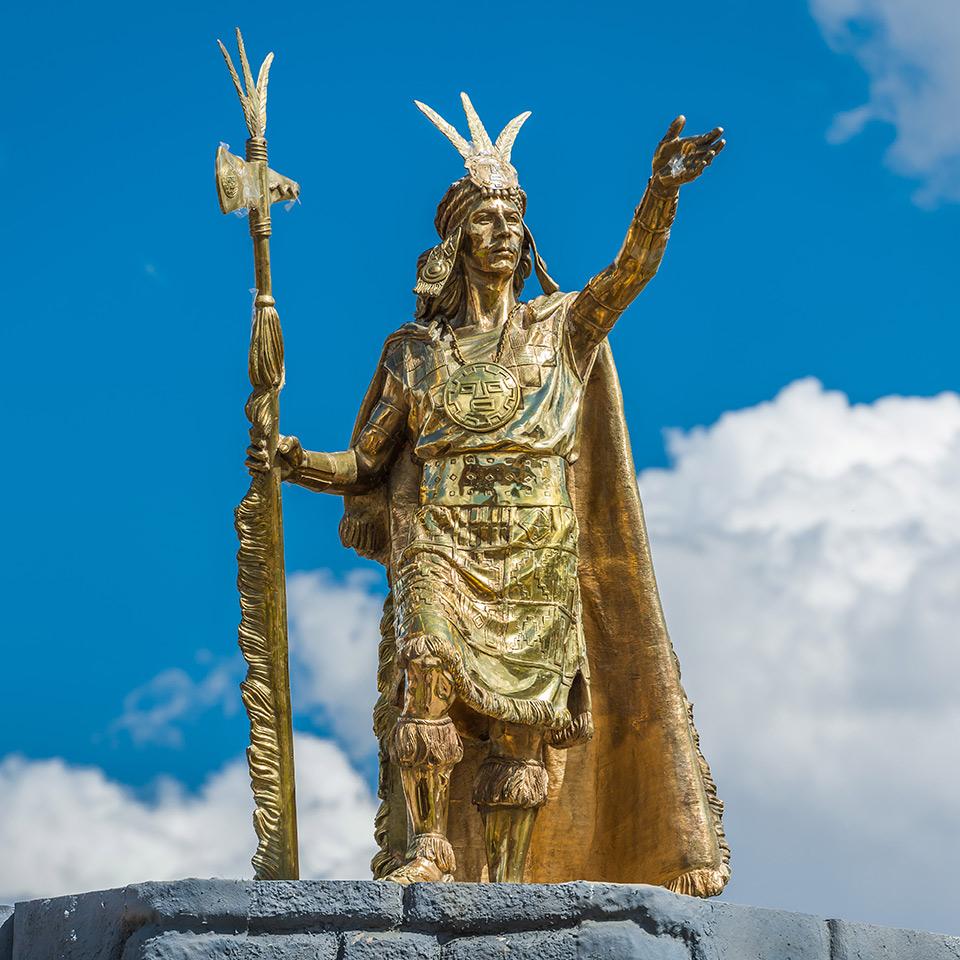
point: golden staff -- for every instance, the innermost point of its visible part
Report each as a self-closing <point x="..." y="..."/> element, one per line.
<point x="253" y="186"/>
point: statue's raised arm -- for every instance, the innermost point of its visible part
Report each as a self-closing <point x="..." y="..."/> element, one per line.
<point x="677" y="160"/>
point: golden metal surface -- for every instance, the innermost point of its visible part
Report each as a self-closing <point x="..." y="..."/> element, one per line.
<point x="251" y="185"/>
<point x="507" y="834"/>
<point x="488" y="162"/>
<point x="491" y="474"/>
<point x="238" y="184"/>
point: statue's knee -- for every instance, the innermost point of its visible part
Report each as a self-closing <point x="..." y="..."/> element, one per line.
<point x="521" y="740"/>
<point x="429" y="687"/>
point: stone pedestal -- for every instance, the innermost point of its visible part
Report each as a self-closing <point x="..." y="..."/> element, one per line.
<point x="363" y="920"/>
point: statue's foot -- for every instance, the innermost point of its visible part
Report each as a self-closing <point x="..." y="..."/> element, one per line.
<point x="419" y="870"/>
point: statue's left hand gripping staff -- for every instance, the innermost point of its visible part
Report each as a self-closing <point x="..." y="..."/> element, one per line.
<point x="250" y="184"/>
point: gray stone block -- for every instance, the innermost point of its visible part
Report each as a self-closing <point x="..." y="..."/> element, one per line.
<point x="89" y="926"/>
<point x="305" y="904"/>
<point x="624" y="940"/>
<point x="862" y="941"/>
<point x="533" y="945"/>
<point x="389" y="945"/>
<point x="221" y="946"/>
<point x="6" y="932"/>
<point x="734" y="932"/>
<point x="201" y="905"/>
<point x="363" y="920"/>
<point x="470" y="908"/>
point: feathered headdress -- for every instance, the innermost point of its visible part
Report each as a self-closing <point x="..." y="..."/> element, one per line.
<point x="487" y="163"/>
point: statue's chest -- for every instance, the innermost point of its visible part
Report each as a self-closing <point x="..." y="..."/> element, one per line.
<point x="492" y="378"/>
<point x="523" y="395"/>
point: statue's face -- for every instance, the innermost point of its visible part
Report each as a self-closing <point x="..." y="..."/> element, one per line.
<point x="494" y="237"/>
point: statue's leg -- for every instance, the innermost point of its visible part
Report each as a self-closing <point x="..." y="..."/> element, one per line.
<point x="426" y="746"/>
<point x="510" y="788"/>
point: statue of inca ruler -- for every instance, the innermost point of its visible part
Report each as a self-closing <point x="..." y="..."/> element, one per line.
<point x="525" y="669"/>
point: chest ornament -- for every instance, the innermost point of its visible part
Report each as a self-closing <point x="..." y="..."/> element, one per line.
<point x="484" y="395"/>
<point x="481" y="396"/>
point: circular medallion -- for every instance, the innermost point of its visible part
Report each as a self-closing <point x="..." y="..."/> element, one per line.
<point x="481" y="396"/>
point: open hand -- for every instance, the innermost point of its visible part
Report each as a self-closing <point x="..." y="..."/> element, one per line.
<point x="682" y="159"/>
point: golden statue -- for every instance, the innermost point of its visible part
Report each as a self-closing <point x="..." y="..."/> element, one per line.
<point x="525" y="668"/>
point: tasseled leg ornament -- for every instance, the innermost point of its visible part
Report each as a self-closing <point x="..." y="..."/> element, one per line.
<point x="509" y="791"/>
<point x="426" y="751"/>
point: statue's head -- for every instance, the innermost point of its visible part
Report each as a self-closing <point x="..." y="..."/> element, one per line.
<point x="483" y="236"/>
<point x="479" y="221"/>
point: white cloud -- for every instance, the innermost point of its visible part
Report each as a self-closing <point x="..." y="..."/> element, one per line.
<point x="334" y="635"/>
<point x="154" y="712"/>
<point x="68" y="829"/>
<point x="909" y="50"/>
<point x="808" y="553"/>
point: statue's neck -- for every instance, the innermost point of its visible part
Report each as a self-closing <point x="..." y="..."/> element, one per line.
<point x="487" y="302"/>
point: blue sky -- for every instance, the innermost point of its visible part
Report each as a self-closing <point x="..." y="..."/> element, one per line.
<point x="821" y="244"/>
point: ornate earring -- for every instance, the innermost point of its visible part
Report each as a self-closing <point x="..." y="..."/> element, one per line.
<point x="433" y="275"/>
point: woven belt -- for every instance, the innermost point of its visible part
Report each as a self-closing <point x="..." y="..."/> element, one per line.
<point x="495" y="479"/>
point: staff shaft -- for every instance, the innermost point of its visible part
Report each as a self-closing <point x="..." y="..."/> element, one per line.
<point x="261" y="575"/>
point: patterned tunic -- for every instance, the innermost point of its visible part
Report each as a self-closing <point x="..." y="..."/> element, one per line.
<point x="487" y="580"/>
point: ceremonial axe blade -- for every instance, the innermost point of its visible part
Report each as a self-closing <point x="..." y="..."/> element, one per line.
<point x="239" y="184"/>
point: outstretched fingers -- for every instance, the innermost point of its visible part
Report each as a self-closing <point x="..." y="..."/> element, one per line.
<point x="708" y="153"/>
<point x="703" y="152"/>
<point x="705" y="138"/>
<point x="674" y="130"/>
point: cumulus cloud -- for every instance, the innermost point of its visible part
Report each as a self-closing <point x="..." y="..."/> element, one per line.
<point x="67" y="829"/>
<point x="334" y="634"/>
<point x="155" y="712"/>
<point x="909" y="50"/>
<point x="808" y="553"/>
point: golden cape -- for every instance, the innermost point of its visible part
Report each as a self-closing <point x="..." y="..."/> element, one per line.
<point x="636" y="804"/>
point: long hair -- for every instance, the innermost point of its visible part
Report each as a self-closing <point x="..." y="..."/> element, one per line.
<point x="447" y="304"/>
<point x="451" y="212"/>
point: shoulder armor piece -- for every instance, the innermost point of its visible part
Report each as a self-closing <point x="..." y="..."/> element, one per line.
<point x="545" y="306"/>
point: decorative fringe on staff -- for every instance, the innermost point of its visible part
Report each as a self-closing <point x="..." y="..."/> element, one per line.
<point x="263" y="616"/>
<point x="265" y="365"/>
